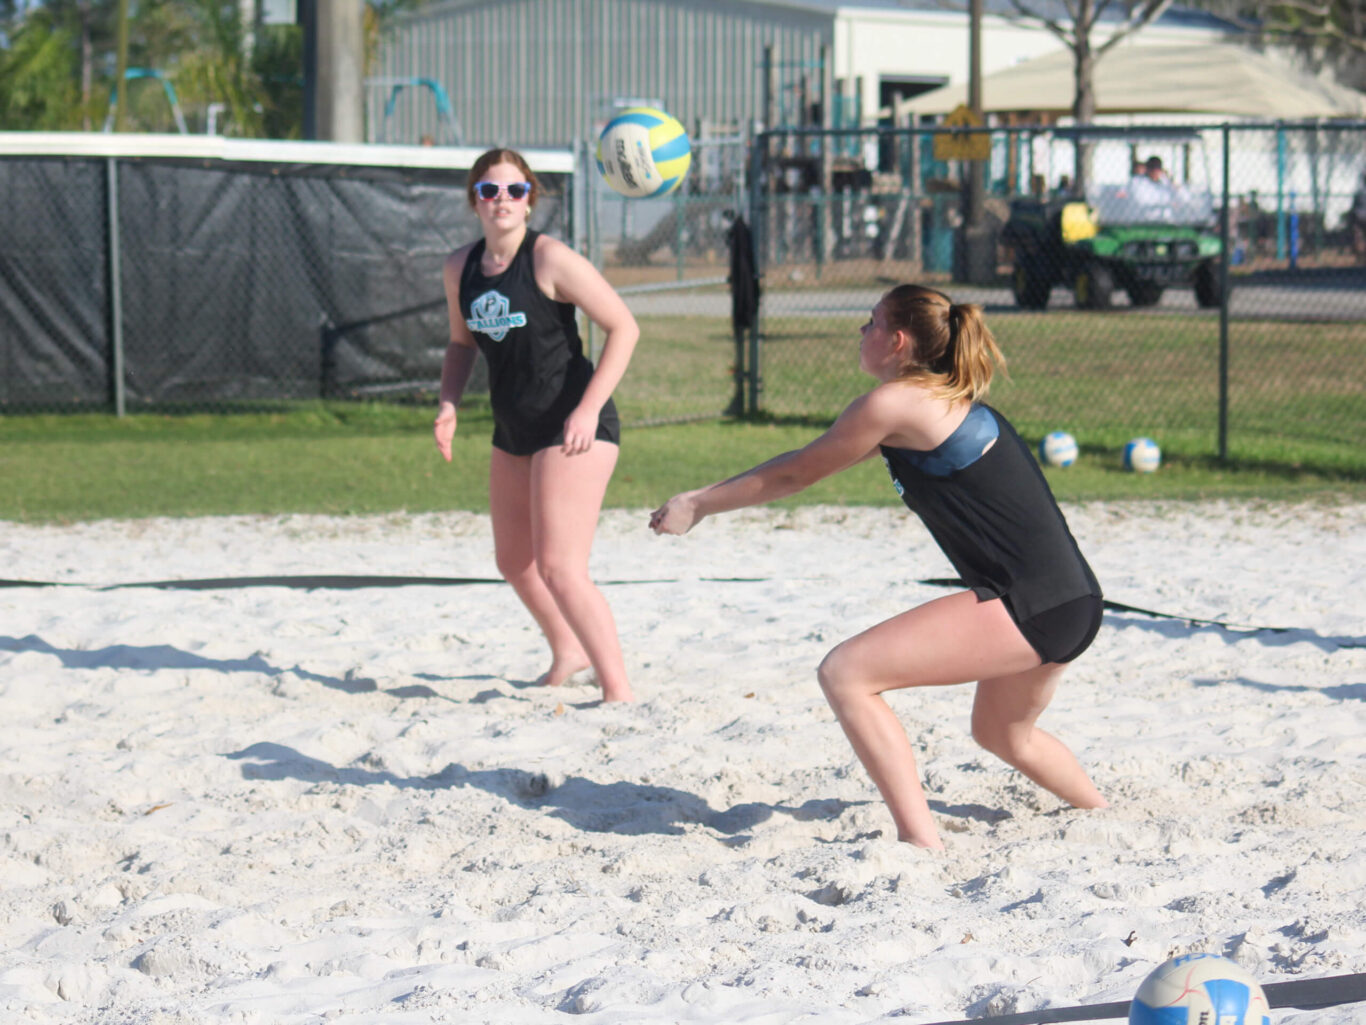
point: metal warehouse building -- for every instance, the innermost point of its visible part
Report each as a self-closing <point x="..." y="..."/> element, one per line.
<point x="549" y="72"/>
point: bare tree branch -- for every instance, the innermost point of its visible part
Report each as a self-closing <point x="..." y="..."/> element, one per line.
<point x="1146" y="14"/>
<point x="1025" y="13"/>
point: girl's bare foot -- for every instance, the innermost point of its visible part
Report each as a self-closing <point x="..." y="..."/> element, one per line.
<point x="561" y="669"/>
<point x="622" y="693"/>
<point x="937" y="845"/>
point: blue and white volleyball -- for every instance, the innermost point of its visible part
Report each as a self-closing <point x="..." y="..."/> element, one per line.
<point x="1142" y="455"/>
<point x="1058" y="448"/>
<point x="644" y="152"/>
<point x="1195" y="989"/>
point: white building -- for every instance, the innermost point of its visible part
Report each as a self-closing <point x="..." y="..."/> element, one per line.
<point x="914" y="46"/>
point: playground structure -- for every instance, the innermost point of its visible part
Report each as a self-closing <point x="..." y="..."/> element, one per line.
<point x="448" y="131"/>
<point x="133" y="74"/>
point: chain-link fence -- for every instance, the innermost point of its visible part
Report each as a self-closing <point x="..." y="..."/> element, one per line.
<point x="1226" y="319"/>
<point x="162" y="282"/>
<point x="154" y="281"/>
<point x="1103" y="259"/>
<point x="669" y="258"/>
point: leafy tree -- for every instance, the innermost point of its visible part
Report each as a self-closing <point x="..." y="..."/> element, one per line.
<point x="47" y="67"/>
<point x="1325" y="32"/>
<point x="206" y="43"/>
<point x="57" y="65"/>
<point x="378" y="14"/>
<point x="277" y="62"/>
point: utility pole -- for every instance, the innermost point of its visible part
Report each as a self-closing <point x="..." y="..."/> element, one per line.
<point x="341" y="70"/>
<point x="334" y="63"/>
<point x="976" y="193"/>
<point x="978" y="265"/>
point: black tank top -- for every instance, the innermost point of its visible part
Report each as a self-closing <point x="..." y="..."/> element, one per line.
<point x="537" y="369"/>
<point x="998" y="523"/>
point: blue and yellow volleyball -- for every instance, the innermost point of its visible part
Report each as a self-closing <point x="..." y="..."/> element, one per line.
<point x="644" y="152"/>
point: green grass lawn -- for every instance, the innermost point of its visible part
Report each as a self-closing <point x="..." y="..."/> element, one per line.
<point x="1295" y="423"/>
<point x="1297" y="392"/>
<point x="371" y="458"/>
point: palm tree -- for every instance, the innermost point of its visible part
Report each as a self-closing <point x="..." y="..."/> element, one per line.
<point x="60" y="59"/>
<point x="47" y="74"/>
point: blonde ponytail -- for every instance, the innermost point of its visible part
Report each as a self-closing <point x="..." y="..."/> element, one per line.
<point x="953" y="351"/>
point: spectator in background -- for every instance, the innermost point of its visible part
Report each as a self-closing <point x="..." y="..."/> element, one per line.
<point x="1153" y="186"/>
<point x="1255" y="221"/>
<point x="1358" y="218"/>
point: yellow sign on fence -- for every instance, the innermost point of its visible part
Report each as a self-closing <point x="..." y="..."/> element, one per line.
<point x="976" y="146"/>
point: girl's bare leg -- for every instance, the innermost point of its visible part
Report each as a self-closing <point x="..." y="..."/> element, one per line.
<point x="1003" y="716"/>
<point x="514" y="552"/>
<point x="566" y="498"/>
<point x="955" y="639"/>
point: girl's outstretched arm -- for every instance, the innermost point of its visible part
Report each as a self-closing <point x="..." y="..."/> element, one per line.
<point x="852" y="438"/>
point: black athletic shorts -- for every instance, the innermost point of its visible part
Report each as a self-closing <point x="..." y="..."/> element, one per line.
<point x="521" y="437"/>
<point x="1063" y="632"/>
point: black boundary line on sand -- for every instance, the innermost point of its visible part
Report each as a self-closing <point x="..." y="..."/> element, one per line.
<point x="1301" y="994"/>
<point x="1115" y="606"/>
<point x="336" y="582"/>
<point x="352" y="582"/>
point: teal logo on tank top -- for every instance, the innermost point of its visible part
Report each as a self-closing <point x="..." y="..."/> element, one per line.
<point x="900" y="488"/>
<point x="489" y="315"/>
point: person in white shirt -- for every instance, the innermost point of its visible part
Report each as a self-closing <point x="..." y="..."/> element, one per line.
<point x="1153" y="187"/>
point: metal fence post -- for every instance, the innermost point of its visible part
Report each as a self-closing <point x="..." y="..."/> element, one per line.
<point x="327" y="357"/>
<point x="1223" y="300"/>
<point x="680" y="231"/>
<point x="581" y="217"/>
<point x="759" y="212"/>
<point x="1280" y="190"/>
<point x="116" y="381"/>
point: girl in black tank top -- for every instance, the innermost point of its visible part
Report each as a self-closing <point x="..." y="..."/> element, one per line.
<point x="537" y="369"/>
<point x="513" y="295"/>
<point x="1032" y="602"/>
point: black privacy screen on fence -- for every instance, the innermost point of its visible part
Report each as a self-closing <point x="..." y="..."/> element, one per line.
<point x="53" y="285"/>
<point x="1227" y="322"/>
<point x="241" y="281"/>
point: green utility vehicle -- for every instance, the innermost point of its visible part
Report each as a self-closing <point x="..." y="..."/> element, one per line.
<point x="1134" y="236"/>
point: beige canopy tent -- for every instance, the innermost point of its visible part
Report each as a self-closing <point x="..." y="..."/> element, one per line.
<point x="1219" y="79"/>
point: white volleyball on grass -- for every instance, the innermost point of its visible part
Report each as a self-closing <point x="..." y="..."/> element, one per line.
<point x="1058" y="448"/>
<point x="1142" y="455"/>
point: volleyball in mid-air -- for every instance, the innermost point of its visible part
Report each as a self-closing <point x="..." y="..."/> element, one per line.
<point x="1142" y="455"/>
<point x="1194" y="989"/>
<point x="1058" y="448"/>
<point x="644" y="152"/>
